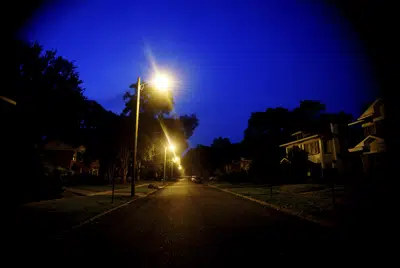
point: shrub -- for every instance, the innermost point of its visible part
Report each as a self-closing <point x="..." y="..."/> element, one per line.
<point x="234" y="177"/>
<point x="84" y="179"/>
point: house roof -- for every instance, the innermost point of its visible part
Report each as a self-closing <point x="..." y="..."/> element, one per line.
<point x="60" y="146"/>
<point x="370" y="111"/>
<point x="356" y="122"/>
<point x="284" y="160"/>
<point x="360" y="146"/>
<point x="296" y="133"/>
<point x="366" y="114"/>
<point x="301" y="140"/>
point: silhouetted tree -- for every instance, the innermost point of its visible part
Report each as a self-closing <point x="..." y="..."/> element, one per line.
<point x="156" y="123"/>
<point x="50" y="103"/>
<point x="197" y="161"/>
<point x="48" y="91"/>
<point x="221" y="143"/>
<point x="299" y="165"/>
<point x="267" y="130"/>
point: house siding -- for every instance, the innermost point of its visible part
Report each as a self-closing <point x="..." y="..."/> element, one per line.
<point x="322" y="150"/>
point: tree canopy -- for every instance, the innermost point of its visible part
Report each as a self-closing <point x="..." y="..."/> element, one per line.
<point x="156" y="121"/>
<point x="51" y="105"/>
<point x="265" y="132"/>
<point x="48" y="91"/>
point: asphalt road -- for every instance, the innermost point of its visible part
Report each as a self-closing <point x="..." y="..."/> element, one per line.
<point x="192" y="225"/>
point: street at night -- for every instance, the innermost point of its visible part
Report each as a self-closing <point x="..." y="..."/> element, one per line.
<point x="193" y="225"/>
<point x="198" y="133"/>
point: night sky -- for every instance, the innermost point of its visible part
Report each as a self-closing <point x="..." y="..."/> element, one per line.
<point x="230" y="58"/>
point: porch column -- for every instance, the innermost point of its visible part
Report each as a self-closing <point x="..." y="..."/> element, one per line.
<point x="321" y="155"/>
<point x="334" y="152"/>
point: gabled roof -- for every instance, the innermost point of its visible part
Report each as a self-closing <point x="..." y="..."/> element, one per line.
<point x="300" y="141"/>
<point x="370" y="111"/>
<point x="284" y="160"/>
<point x="360" y="146"/>
<point x="296" y="133"/>
<point x="367" y="113"/>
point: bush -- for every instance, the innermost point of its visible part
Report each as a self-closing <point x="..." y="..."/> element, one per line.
<point x="35" y="184"/>
<point x="84" y="179"/>
<point x="235" y="177"/>
<point x="49" y="187"/>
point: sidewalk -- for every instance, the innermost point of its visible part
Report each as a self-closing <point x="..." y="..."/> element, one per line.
<point x="100" y="190"/>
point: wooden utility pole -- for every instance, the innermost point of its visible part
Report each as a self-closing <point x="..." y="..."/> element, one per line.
<point x="134" y="158"/>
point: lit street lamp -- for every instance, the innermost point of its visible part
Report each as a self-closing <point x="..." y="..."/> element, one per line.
<point x="161" y="82"/>
<point x="172" y="148"/>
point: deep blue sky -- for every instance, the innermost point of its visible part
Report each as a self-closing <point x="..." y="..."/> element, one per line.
<point x="230" y="58"/>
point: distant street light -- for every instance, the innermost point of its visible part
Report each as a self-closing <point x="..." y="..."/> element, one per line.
<point x="161" y="82"/>
<point x="171" y="147"/>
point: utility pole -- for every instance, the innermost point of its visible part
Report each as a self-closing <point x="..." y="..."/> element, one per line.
<point x="165" y="162"/>
<point x="172" y="168"/>
<point x="136" y="138"/>
<point x="334" y="160"/>
<point x="113" y="190"/>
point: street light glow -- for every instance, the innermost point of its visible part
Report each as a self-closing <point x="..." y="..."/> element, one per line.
<point x="161" y="82"/>
<point x="172" y="148"/>
<point x="176" y="159"/>
<point x="180" y="167"/>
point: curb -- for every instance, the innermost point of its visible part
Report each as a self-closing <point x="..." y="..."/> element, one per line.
<point x="108" y="211"/>
<point x="103" y="213"/>
<point x="284" y="210"/>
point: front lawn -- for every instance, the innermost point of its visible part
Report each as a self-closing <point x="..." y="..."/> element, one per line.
<point x="307" y="200"/>
<point x="50" y="217"/>
<point x="100" y="188"/>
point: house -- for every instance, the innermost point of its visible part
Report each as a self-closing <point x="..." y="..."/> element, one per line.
<point x="372" y="147"/>
<point x="94" y="167"/>
<point x="237" y="166"/>
<point x="59" y="154"/>
<point x="322" y="150"/>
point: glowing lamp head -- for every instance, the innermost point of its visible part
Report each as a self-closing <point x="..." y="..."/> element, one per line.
<point x="161" y="82"/>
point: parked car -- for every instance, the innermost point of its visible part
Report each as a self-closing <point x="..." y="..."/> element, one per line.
<point x="196" y="179"/>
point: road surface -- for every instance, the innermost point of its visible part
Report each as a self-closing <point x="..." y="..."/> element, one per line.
<point x="193" y="225"/>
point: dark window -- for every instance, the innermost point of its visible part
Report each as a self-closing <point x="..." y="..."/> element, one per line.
<point x="79" y="157"/>
<point x="379" y="128"/>
<point x="327" y="146"/>
<point x="369" y="130"/>
<point x="307" y="147"/>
